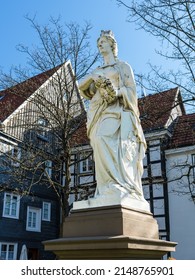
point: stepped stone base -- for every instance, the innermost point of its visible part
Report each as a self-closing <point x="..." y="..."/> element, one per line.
<point x="110" y="221"/>
<point x="110" y="232"/>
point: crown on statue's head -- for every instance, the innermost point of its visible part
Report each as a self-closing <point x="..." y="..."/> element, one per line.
<point x="107" y="33"/>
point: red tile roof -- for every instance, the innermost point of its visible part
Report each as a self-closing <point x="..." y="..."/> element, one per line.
<point x="14" y="96"/>
<point x="155" y="109"/>
<point x="184" y="132"/>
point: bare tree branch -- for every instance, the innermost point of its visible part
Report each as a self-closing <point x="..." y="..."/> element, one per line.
<point x="172" y="22"/>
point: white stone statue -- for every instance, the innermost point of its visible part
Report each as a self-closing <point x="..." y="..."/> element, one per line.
<point x="114" y="131"/>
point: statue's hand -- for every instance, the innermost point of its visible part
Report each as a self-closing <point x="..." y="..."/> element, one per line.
<point x="106" y="88"/>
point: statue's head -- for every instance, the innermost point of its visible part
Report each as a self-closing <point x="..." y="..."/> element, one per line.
<point x="108" y="34"/>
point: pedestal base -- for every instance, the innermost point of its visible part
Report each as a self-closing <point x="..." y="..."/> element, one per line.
<point x="110" y="232"/>
<point x="110" y="221"/>
<point x="109" y="248"/>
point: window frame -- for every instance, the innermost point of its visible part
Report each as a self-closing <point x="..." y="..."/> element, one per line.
<point x="87" y="161"/>
<point x="5" y="215"/>
<point x="7" y="251"/>
<point x="38" y="213"/>
<point x="48" y="218"/>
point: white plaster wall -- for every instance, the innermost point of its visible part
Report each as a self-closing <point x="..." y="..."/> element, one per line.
<point x="182" y="226"/>
<point x="181" y="206"/>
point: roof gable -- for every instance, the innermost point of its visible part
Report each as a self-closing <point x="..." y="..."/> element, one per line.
<point x="14" y="96"/>
<point x="156" y="109"/>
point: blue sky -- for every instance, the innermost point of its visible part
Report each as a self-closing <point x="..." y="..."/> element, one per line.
<point x="135" y="46"/>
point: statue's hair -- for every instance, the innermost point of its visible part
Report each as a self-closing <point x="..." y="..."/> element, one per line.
<point x="110" y="37"/>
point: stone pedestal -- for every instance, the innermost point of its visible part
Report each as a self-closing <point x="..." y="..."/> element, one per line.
<point x="110" y="232"/>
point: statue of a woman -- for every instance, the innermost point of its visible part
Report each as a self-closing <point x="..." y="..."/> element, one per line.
<point x="114" y="129"/>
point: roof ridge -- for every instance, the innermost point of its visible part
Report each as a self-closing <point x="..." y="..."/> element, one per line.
<point x="171" y="90"/>
<point x="52" y="70"/>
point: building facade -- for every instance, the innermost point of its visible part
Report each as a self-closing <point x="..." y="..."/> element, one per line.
<point x="30" y="171"/>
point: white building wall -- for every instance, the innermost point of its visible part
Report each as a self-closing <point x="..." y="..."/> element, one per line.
<point x="181" y="205"/>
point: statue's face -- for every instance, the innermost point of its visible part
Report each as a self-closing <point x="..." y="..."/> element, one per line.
<point x="104" y="46"/>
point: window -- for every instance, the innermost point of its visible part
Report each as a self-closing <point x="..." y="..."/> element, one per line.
<point x="158" y="190"/>
<point x="159" y="206"/>
<point x="16" y="156"/>
<point x="11" y="205"/>
<point x="42" y="122"/>
<point x="8" y="251"/>
<point x="46" y="212"/>
<point x="156" y="170"/>
<point x="42" y="129"/>
<point x="48" y="168"/>
<point x="86" y="164"/>
<point x="155" y="153"/>
<point x="33" y="222"/>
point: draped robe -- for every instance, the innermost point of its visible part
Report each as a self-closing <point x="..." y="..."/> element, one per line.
<point x="116" y="134"/>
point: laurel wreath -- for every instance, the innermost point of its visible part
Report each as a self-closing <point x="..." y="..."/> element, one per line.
<point x="106" y="89"/>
